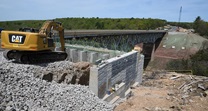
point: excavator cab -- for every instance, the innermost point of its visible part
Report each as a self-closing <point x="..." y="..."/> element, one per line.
<point x="26" y="29"/>
<point x="29" y="46"/>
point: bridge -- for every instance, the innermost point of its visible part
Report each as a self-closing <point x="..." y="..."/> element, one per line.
<point x="122" y="40"/>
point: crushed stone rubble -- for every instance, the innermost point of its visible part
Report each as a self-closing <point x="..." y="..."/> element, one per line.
<point x="20" y="90"/>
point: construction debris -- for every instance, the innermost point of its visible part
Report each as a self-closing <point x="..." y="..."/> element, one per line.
<point x="168" y="91"/>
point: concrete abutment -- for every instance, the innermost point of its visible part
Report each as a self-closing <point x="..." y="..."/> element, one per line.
<point x="113" y="75"/>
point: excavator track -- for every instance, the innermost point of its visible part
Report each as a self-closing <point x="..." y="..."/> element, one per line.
<point x="29" y="57"/>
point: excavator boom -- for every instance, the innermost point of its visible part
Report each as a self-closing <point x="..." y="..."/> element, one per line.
<point x="52" y="25"/>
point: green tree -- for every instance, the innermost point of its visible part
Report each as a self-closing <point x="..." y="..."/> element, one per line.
<point x="197" y="63"/>
<point x="200" y="26"/>
<point x="99" y="25"/>
<point x="200" y="62"/>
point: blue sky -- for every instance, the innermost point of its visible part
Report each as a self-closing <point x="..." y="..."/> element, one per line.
<point x="51" y="9"/>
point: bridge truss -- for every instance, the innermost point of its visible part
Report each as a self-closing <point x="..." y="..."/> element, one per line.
<point x="122" y="41"/>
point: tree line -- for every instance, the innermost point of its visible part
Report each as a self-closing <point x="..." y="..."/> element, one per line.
<point x="91" y="23"/>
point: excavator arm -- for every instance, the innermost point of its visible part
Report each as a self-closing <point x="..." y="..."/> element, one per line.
<point x="48" y="26"/>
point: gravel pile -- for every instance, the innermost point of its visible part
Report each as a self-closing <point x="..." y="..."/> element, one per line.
<point x="20" y="90"/>
<point x="64" y="72"/>
<point x="2" y="59"/>
<point x="60" y="72"/>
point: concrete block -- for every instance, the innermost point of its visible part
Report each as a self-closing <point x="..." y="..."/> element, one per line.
<point x="74" y="55"/>
<point x="93" y="83"/>
<point x="82" y="56"/>
<point x="105" y="56"/>
<point x="93" y="57"/>
<point x="68" y="53"/>
<point x="140" y="69"/>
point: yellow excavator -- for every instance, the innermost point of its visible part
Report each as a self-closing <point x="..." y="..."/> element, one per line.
<point x="33" y="47"/>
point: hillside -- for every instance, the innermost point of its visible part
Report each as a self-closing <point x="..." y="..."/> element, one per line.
<point x="177" y="45"/>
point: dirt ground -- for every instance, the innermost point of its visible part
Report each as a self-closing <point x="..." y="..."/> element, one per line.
<point x="168" y="91"/>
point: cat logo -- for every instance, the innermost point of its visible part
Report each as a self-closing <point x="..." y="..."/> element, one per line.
<point x="19" y="39"/>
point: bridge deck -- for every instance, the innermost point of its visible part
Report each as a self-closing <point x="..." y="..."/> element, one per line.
<point x="93" y="33"/>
